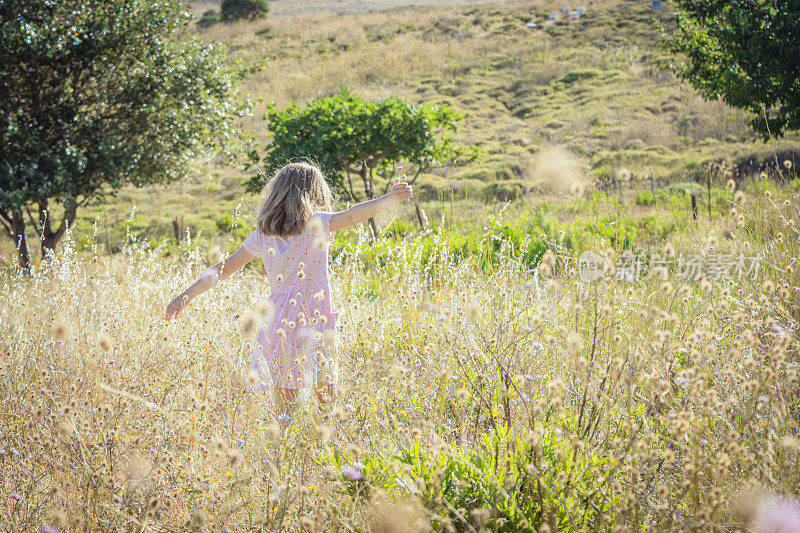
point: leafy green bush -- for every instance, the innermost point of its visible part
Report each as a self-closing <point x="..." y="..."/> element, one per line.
<point x="225" y="222"/>
<point x="346" y="134"/>
<point x="209" y="17"/>
<point x="239" y="9"/>
<point x="504" y="482"/>
<point x="645" y="198"/>
<point x="484" y="248"/>
<point x="604" y="177"/>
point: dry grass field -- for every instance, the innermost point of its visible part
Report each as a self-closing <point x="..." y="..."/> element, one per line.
<point x="478" y="391"/>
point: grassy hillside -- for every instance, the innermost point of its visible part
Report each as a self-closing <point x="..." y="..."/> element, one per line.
<point x="585" y="97"/>
<point x="596" y="85"/>
<point x="291" y="8"/>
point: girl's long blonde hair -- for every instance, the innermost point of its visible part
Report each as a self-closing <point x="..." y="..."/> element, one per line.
<point x="290" y="198"/>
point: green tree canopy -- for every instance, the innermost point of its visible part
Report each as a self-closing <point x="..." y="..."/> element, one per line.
<point x="209" y="18"/>
<point x="746" y="52"/>
<point x="348" y="136"/>
<point x="100" y="93"/>
<point x="239" y="9"/>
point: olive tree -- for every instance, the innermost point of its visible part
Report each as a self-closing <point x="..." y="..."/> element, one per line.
<point x="352" y="138"/>
<point x="97" y="94"/>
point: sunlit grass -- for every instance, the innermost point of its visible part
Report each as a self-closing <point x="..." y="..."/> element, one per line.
<point x="577" y="405"/>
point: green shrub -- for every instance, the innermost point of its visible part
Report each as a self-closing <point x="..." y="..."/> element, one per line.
<point x="225" y="222"/>
<point x="604" y="177"/>
<point x="524" y="481"/>
<point x="239" y="9"/>
<point x="645" y="198"/>
<point x="502" y="191"/>
<point x="398" y="229"/>
<point x="209" y="17"/>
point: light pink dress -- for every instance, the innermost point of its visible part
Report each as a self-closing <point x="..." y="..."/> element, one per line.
<point x="295" y="348"/>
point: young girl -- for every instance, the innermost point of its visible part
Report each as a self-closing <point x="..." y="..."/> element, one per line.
<point x="295" y="346"/>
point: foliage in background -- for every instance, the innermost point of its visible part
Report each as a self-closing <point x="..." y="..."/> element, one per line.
<point x="346" y="134"/>
<point x="210" y="16"/>
<point x="232" y="10"/>
<point x="744" y="52"/>
<point x="98" y="94"/>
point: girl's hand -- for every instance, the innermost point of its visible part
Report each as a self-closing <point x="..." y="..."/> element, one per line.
<point x="400" y="191"/>
<point x="176" y="306"/>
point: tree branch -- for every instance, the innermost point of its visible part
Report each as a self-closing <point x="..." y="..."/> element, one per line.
<point x="416" y="175"/>
<point x="70" y="210"/>
<point x="6" y="225"/>
<point x="350" y="183"/>
<point x="6" y="217"/>
<point x="33" y="222"/>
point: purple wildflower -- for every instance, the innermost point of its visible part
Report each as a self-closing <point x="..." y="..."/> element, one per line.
<point x="350" y="472"/>
<point x="18" y="497"/>
<point x="359" y="465"/>
<point x="48" y="529"/>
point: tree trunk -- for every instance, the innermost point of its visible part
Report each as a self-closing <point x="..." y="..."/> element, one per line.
<point x="18" y="234"/>
<point x="366" y="177"/>
<point x="350" y="184"/>
<point x="49" y="237"/>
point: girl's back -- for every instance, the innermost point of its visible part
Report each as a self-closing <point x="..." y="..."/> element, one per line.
<point x="291" y="349"/>
<point x="297" y="263"/>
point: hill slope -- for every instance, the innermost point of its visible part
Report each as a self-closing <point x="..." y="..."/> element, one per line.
<point x="596" y="87"/>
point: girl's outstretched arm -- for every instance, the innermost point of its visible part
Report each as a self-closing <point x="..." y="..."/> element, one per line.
<point x="208" y="279"/>
<point x="360" y="212"/>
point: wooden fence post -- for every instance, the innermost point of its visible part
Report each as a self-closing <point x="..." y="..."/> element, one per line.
<point x="177" y="230"/>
